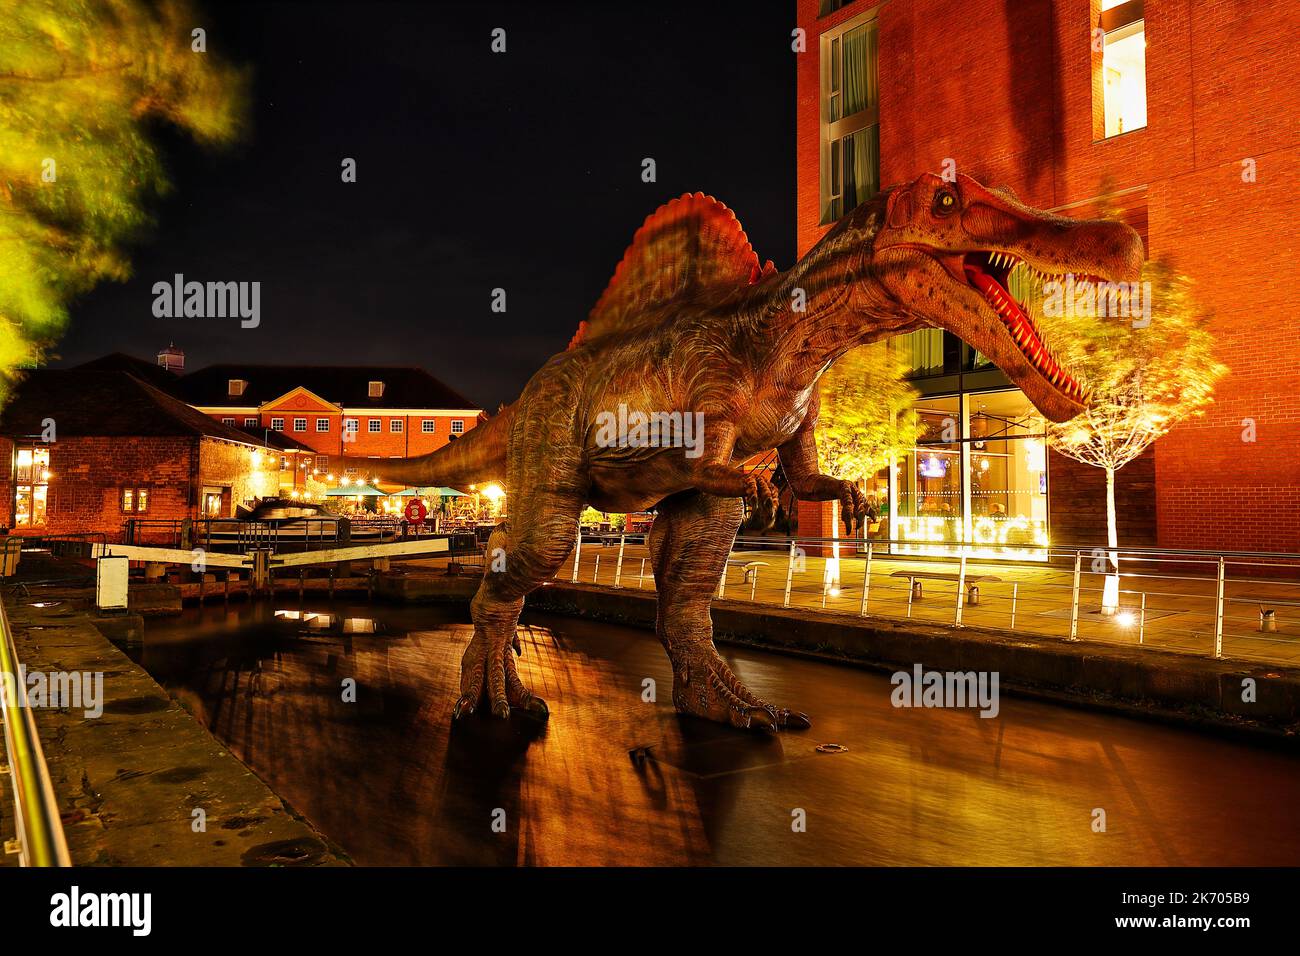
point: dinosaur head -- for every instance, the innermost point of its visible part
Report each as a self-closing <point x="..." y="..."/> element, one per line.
<point x="946" y="250"/>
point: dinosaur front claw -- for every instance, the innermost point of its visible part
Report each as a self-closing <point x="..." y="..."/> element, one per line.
<point x="853" y="507"/>
<point x="762" y="500"/>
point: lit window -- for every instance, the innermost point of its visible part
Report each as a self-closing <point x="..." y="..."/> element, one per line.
<point x="457" y="426"/>
<point x="1123" y="66"/>
<point x="376" y="390"/>
<point x="428" y="426"/>
<point x="351" y="425"/>
<point x="300" y="424"/>
<point x="322" y="462"/>
<point x="135" y="500"/>
<point x="236" y="386"/>
<point x="250" y="422"/>
<point x="395" y="426"/>
<point x="850" y="167"/>
<point x="227" y="421"/>
<point x="322" y="424"/>
<point x="277" y="424"/>
<point x="31" y="486"/>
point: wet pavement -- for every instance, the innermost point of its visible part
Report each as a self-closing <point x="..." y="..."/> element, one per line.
<point x="391" y="781"/>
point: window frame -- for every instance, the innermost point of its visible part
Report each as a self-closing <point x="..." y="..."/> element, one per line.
<point x="428" y="426"/>
<point x="374" y="426"/>
<point x="322" y="426"/>
<point x="1123" y="16"/>
<point x="834" y="132"/>
<point x="458" y="426"/>
<point x="299" y="425"/>
<point x="277" y="427"/>
<point x="137" y="494"/>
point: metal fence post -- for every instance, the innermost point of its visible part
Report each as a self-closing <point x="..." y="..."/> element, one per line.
<point x="866" y="583"/>
<point x="1142" y="617"/>
<point x="640" y="575"/>
<point x="753" y="584"/>
<point x="721" y="589"/>
<point x="1015" y="593"/>
<point x="1218" y="614"/>
<point x="595" y="575"/>
<point x="618" y="569"/>
<point x="577" y="556"/>
<point x="961" y="588"/>
<point x="1074" y="600"/>
<point x="789" y="575"/>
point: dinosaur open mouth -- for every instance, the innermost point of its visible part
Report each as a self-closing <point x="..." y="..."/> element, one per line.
<point x="990" y="274"/>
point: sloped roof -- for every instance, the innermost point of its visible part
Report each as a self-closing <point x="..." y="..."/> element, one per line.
<point x="346" y="385"/>
<point x="87" y="403"/>
<point x="150" y="372"/>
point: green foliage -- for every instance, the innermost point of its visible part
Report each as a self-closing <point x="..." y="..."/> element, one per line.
<point x="1146" y="373"/>
<point x="81" y="82"/>
<point x="867" y="414"/>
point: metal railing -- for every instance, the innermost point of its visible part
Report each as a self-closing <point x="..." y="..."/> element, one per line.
<point x="37" y="822"/>
<point x="240" y="536"/>
<point x="1219" y="604"/>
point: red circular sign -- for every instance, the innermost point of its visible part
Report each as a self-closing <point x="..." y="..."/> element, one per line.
<point x="416" y="511"/>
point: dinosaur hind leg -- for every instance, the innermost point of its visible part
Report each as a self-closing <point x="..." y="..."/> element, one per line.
<point x="521" y="553"/>
<point x="689" y="545"/>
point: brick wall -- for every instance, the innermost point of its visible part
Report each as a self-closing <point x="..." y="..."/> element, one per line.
<point x="1076" y="502"/>
<point x="225" y="465"/>
<point x="409" y="441"/>
<point x="88" y="475"/>
<point x="1007" y="91"/>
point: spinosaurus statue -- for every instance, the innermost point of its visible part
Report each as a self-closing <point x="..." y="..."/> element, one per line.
<point x="691" y="322"/>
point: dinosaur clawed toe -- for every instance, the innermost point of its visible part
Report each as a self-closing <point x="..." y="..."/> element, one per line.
<point x="488" y="671"/>
<point x="703" y="685"/>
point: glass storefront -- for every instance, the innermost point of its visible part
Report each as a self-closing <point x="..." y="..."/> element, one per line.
<point x="977" y="475"/>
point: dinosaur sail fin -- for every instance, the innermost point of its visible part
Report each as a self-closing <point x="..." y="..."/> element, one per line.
<point x="691" y="246"/>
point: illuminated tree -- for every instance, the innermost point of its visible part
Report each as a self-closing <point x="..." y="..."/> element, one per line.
<point x="81" y="82"/>
<point x="867" y="416"/>
<point x="1149" y="368"/>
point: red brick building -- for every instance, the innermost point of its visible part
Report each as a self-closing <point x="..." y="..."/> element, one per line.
<point x="85" y="451"/>
<point x="1187" y="112"/>
<point x="363" y="411"/>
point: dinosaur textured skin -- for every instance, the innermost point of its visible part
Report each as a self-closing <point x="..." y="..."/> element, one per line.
<point x="692" y="323"/>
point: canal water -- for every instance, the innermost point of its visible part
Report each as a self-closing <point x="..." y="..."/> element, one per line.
<point x="387" y="777"/>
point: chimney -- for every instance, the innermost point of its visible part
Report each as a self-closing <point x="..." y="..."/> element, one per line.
<point x="172" y="359"/>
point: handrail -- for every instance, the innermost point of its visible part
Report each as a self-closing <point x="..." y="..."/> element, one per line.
<point x="40" y="829"/>
<point x="1145" y="587"/>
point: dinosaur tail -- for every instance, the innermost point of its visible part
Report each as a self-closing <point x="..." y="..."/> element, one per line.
<point x="478" y="456"/>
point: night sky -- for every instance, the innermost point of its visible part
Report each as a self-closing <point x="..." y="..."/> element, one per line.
<point x="475" y="170"/>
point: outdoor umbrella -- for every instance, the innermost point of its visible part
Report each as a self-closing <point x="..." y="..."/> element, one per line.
<point x="349" y="491"/>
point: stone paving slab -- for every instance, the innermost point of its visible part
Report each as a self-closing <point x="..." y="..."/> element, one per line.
<point x="129" y="781"/>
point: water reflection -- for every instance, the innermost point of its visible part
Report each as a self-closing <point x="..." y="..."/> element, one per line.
<point x="324" y="621"/>
<point x="389" y="779"/>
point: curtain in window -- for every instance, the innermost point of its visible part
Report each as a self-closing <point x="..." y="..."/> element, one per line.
<point x="927" y="351"/>
<point x="860" y="90"/>
<point x="861" y="166"/>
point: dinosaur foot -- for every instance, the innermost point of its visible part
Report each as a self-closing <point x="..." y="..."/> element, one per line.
<point x="703" y="685"/>
<point x="490" y="677"/>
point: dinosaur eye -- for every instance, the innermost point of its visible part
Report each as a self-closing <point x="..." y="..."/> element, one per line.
<point x="944" y="202"/>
